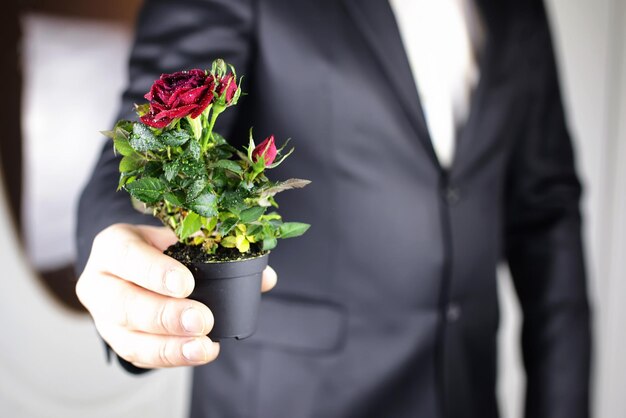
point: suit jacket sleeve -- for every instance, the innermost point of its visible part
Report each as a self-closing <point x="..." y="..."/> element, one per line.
<point x="170" y="36"/>
<point x="544" y="249"/>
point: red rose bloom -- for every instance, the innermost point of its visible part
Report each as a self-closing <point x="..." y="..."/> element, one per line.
<point x="228" y="88"/>
<point x="178" y="95"/>
<point x="267" y="150"/>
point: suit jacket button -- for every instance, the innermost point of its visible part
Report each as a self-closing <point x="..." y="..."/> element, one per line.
<point x="453" y="313"/>
<point x="452" y="195"/>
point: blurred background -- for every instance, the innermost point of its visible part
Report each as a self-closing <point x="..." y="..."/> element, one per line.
<point x="66" y="60"/>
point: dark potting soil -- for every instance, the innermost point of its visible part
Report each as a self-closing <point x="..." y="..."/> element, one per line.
<point x="190" y="254"/>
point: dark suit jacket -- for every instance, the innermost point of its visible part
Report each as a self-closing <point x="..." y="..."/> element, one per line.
<point x="387" y="307"/>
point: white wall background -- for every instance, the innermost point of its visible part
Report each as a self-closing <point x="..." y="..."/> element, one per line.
<point x="73" y="69"/>
<point x="51" y="362"/>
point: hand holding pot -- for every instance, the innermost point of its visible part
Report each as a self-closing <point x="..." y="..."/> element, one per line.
<point x="137" y="297"/>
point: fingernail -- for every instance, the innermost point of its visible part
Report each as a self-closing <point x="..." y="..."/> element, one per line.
<point x="192" y="321"/>
<point x="194" y="351"/>
<point x="175" y="282"/>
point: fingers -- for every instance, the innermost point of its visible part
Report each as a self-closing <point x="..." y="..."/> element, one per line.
<point x="157" y="351"/>
<point x="137" y="309"/>
<point x="269" y="279"/>
<point x="127" y="252"/>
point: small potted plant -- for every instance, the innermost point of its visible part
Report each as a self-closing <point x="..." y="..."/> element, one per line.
<point x="217" y="199"/>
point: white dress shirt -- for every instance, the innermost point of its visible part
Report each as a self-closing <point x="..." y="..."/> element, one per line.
<point x="441" y="38"/>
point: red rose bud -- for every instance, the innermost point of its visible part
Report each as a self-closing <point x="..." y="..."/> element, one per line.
<point x="267" y="150"/>
<point x="227" y="88"/>
<point x="178" y="95"/>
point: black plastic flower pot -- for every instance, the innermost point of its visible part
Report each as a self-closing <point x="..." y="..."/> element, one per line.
<point x="232" y="290"/>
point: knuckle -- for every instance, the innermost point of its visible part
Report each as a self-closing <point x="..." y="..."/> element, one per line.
<point x="163" y="319"/>
<point x="111" y="247"/>
<point x="105" y="235"/>
<point x="165" y="354"/>
<point x="85" y="289"/>
<point x="168" y="317"/>
<point x="127" y="300"/>
<point x="103" y="248"/>
<point x="124" y="252"/>
<point x="160" y="318"/>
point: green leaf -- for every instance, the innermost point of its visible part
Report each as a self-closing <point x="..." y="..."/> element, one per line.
<point x="194" y="190"/>
<point x="252" y="214"/>
<point x="243" y="245"/>
<point x="173" y="199"/>
<point x="255" y="231"/>
<point x="122" y="146"/>
<point x="219" y="179"/>
<point x="224" y="151"/>
<point x="194" y="150"/>
<point x="209" y="223"/>
<point x="273" y="216"/>
<point x="219" y="139"/>
<point x="153" y="169"/>
<point x="227" y="225"/>
<point x="175" y="138"/>
<point x="190" y="225"/>
<point x="275" y="224"/>
<point x="108" y="134"/>
<point x="131" y="162"/>
<point x="142" y="139"/>
<point x="171" y="169"/>
<point x="229" y="242"/>
<point x="229" y="165"/>
<point x="124" y="179"/>
<point x="251" y="146"/>
<point x="120" y="138"/>
<point x="234" y="200"/>
<point x="293" y="229"/>
<point x="205" y="204"/>
<point x="269" y="244"/>
<point x="126" y="124"/>
<point x="123" y="129"/>
<point x="147" y="189"/>
<point x="191" y="167"/>
<point x="258" y="166"/>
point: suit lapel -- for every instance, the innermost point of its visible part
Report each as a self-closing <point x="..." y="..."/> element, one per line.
<point x="377" y="24"/>
<point x="476" y="138"/>
<point x="471" y="141"/>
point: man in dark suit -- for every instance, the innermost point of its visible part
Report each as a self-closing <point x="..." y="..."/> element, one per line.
<point x="388" y="307"/>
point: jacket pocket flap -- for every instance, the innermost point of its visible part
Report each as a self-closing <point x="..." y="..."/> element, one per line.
<point x="299" y="324"/>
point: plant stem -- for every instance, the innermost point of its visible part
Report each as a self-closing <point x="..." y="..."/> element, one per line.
<point x="208" y="135"/>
